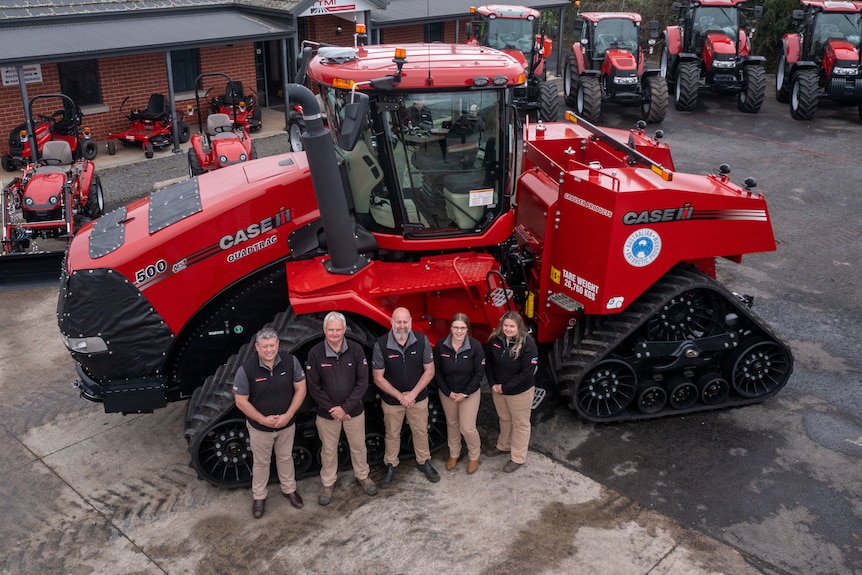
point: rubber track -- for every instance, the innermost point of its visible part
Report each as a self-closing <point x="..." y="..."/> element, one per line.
<point x="607" y="333"/>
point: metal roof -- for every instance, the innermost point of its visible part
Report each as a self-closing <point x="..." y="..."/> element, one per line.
<point x="399" y="12"/>
<point x="143" y="33"/>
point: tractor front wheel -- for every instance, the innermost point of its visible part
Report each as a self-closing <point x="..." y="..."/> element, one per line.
<point x="751" y="98"/>
<point x="803" y="94"/>
<point x="589" y="101"/>
<point x="95" y="199"/>
<point x="571" y="81"/>
<point x="253" y="152"/>
<point x="184" y="132"/>
<point x="195" y="168"/>
<point x="687" y="81"/>
<point x="549" y="102"/>
<point x="782" y="85"/>
<point x="654" y="106"/>
<point x="89" y="149"/>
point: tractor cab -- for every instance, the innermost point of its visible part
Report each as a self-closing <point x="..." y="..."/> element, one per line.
<point x="430" y="161"/>
<point x="831" y="26"/>
<point x="600" y="32"/>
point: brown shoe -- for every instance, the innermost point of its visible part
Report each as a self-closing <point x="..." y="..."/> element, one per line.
<point x="494" y="452"/>
<point x="294" y="499"/>
<point x="451" y="463"/>
<point x="511" y="466"/>
<point x="258" y="508"/>
<point x="325" y="495"/>
<point x="368" y="486"/>
<point x="472" y="466"/>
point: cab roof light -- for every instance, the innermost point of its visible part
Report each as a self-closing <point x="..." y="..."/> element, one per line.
<point x="360" y="28"/>
<point x="501" y="80"/>
<point x="400" y="56"/>
<point x="481" y="81"/>
<point x="472" y="9"/>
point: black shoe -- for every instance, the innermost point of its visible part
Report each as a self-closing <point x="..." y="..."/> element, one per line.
<point x="294" y="499"/>
<point x="494" y="452"/>
<point x="258" y="508"/>
<point x="389" y="476"/>
<point x="429" y="472"/>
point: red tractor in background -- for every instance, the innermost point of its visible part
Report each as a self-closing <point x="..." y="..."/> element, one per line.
<point x="152" y="128"/>
<point x="607" y="63"/>
<point x="242" y="108"/>
<point x="606" y="251"/>
<point x="822" y="59"/>
<point x="224" y="142"/>
<point x="711" y="50"/>
<point x="518" y="31"/>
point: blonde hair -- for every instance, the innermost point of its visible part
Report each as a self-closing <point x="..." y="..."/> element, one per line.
<point x="520" y="337"/>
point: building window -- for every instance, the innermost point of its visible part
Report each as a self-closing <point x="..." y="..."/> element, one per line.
<point x="80" y="81"/>
<point x="434" y="32"/>
<point x="185" y="66"/>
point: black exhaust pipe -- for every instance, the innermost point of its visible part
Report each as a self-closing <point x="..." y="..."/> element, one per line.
<point x="328" y="187"/>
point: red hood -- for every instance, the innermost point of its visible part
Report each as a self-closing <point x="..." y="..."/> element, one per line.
<point x="842" y="50"/>
<point x="621" y="59"/>
<point x="720" y="43"/>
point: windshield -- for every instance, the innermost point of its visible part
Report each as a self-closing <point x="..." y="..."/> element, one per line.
<point x="617" y="33"/>
<point x="836" y="26"/>
<point x="510" y="34"/>
<point x="715" y="19"/>
<point x="428" y="162"/>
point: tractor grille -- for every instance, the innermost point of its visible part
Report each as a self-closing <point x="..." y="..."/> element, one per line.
<point x="845" y="89"/>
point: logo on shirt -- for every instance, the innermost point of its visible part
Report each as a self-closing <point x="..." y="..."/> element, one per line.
<point x="259" y="379"/>
<point x="325" y="365"/>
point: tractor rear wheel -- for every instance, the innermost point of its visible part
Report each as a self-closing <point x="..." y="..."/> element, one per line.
<point x="589" y="100"/>
<point x="89" y="149"/>
<point x="751" y="98"/>
<point x="666" y="65"/>
<point x="782" y="85"/>
<point x="687" y="81"/>
<point x="184" y="132"/>
<point x="654" y="106"/>
<point x="256" y="119"/>
<point x="571" y="81"/>
<point x="803" y="94"/>
<point x="195" y="168"/>
<point x="95" y="199"/>
<point x="549" y="102"/>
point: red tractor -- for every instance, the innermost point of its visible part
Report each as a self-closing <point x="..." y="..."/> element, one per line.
<point x="224" y="142"/>
<point x="241" y="107"/>
<point x="607" y="252"/>
<point x="822" y="59"/>
<point x="607" y="63"/>
<point x="152" y="128"/>
<point x="517" y="31"/>
<point x="45" y="200"/>
<point x="711" y="50"/>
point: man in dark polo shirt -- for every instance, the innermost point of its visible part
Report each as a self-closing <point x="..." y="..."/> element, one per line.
<point x="403" y="366"/>
<point x="337" y="381"/>
<point x="269" y="388"/>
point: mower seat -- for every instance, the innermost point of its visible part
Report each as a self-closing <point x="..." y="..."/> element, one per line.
<point x="219" y="126"/>
<point x="59" y="154"/>
<point x="157" y="109"/>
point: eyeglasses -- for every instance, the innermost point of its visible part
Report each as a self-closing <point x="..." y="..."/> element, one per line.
<point x="459" y="328"/>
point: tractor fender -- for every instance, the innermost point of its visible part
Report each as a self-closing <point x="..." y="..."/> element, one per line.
<point x="790" y="47"/>
<point x="744" y="48"/>
<point x="580" y="58"/>
<point x="595" y="73"/>
<point x="688" y="56"/>
<point x="802" y="65"/>
<point x="651" y="72"/>
<point x="673" y="40"/>
<point x="753" y="60"/>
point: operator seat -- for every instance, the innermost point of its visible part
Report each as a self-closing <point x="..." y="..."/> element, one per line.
<point x="57" y="155"/>
<point x="157" y="109"/>
<point x="220" y="127"/>
<point x="233" y="93"/>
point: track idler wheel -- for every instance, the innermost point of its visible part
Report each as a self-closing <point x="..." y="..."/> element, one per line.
<point x="607" y="389"/>
<point x="759" y="368"/>
<point x="681" y="392"/>
<point x="651" y="397"/>
<point x="224" y="454"/>
<point x="713" y="388"/>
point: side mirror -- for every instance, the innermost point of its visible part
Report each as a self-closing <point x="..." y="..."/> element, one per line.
<point x="799" y="15"/>
<point x="676" y="6"/>
<point x="353" y="122"/>
<point x="579" y="25"/>
<point x="653" y="29"/>
<point x="758" y="12"/>
<point x="555" y="30"/>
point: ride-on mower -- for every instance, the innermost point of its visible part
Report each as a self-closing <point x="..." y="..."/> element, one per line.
<point x="607" y="63"/>
<point x="44" y="201"/>
<point x="241" y="107"/>
<point x="151" y="128"/>
<point x="224" y="142"/>
<point x="63" y="124"/>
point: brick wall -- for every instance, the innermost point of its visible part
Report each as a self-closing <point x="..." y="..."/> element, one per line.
<point x="135" y="76"/>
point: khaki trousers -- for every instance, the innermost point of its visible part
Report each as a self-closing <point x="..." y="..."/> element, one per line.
<point x="461" y="420"/>
<point x="329" y="431"/>
<point x="417" y="419"/>
<point x="514" y="414"/>
<point x="263" y="443"/>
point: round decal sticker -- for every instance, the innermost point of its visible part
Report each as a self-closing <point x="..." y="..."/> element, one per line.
<point x="642" y="247"/>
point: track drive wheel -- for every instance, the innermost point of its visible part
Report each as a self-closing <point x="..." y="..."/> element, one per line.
<point x="89" y="149"/>
<point x="589" y="100"/>
<point x="95" y="199"/>
<point x="195" y="168"/>
<point x="294" y="132"/>
<point x="782" y="83"/>
<point x="654" y="106"/>
<point x="148" y="150"/>
<point x="803" y="94"/>
<point x="751" y="98"/>
<point x="687" y="82"/>
<point x="759" y="368"/>
<point x="549" y="102"/>
<point x="571" y="81"/>
<point x="606" y="390"/>
<point x="112" y="147"/>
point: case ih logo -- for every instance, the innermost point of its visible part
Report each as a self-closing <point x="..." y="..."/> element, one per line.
<point x="656" y="216"/>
